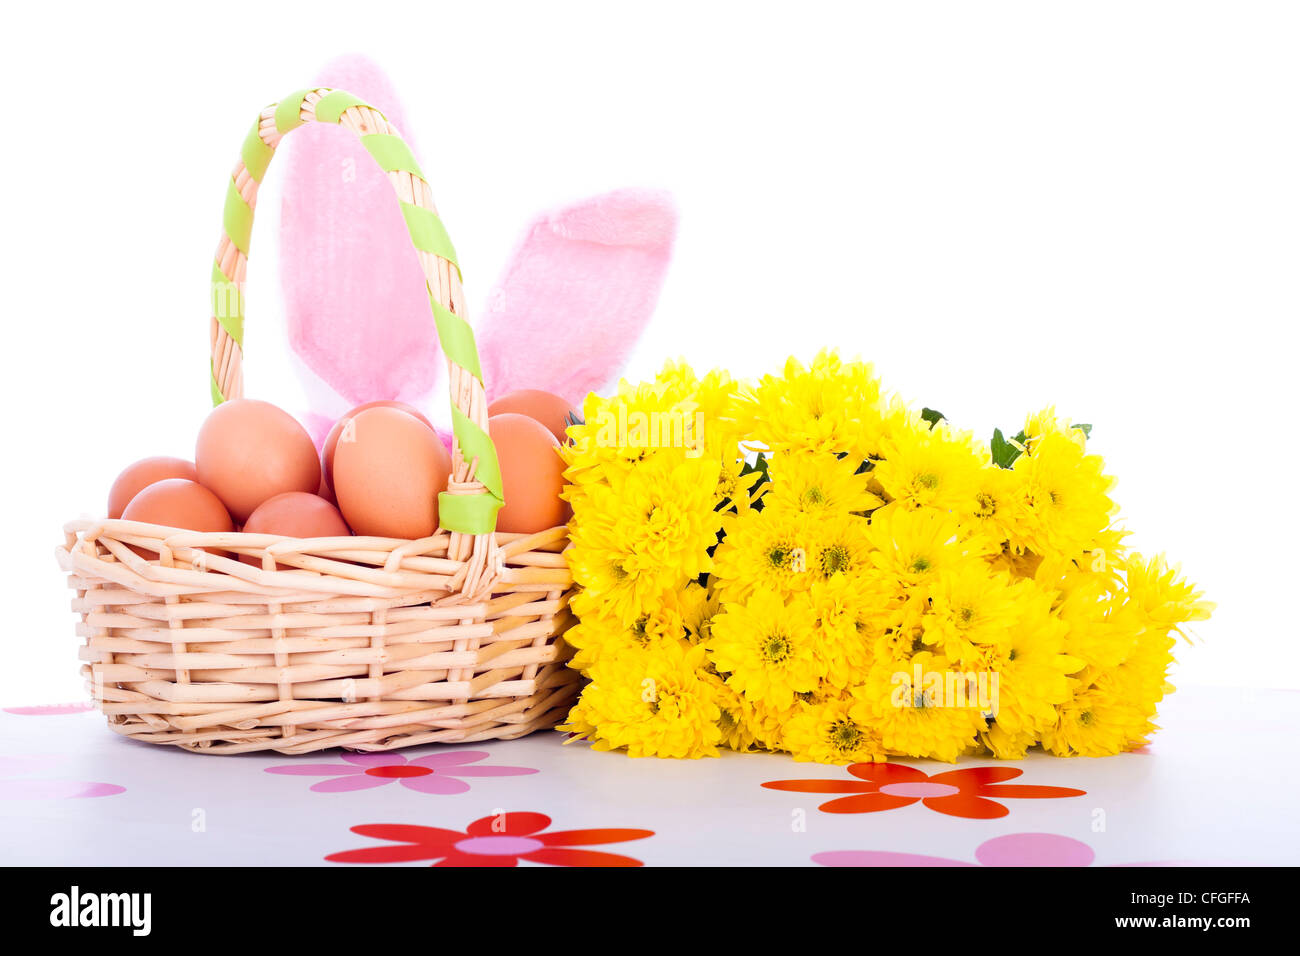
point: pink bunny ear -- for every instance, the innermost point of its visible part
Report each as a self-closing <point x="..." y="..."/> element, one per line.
<point x="577" y="293"/>
<point x="355" y="301"/>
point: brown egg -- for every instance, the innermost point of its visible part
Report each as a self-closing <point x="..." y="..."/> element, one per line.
<point x="545" y="407"/>
<point x="178" y="503"/>
<point x="250" y="451"/>
<point x="388" y="477"/>
<point x="142" y="474"/>
<point x="532" y="474"/>
<point x="332" y="439"/>
<point x="295" y="514"/>
<point x="325" y="491"/>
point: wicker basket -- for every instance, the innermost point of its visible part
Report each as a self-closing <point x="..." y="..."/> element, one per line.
<point x="367" y="643"/>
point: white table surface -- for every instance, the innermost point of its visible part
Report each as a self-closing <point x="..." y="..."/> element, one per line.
<point x="1218" y="785"/>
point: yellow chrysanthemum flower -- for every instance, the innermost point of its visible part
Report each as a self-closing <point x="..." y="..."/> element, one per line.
<point x="996" y="508"/>
<point x="1097" y="722"/>
<point x="674" y="617"/>
<point x="1033" y="675"/>
<point x="914" y="545"/>
<point x="765" y="648"/>
<point x="1046" y="422"/>
<point x="1005" y="745"/>
<point x="658" y="703"/>
<point x="647" y="533"/>
<point x="932" y="467"/>
<point x="1066" y="497"/>
<point x="840" y="546"/>
<point x="836" y="732"/>
<point x="1165" y="601"/>
<point x="970" y="611"/>
<point x="829" y="407"/>
<point x="762" y="551"/>
<point x="818" y="484"/>
<point x="747" y="726"/>
<point x="935" y="716"/>
<point x="1102" y="626"/>
<point x="851" y="613"/>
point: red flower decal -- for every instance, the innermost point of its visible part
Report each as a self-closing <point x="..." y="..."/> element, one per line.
<point x="970" y="792"/>
<point x="501" y="840"/>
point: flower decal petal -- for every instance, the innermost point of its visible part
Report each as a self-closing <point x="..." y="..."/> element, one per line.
<point x="48" y="710"/>
<point x="817" y="786"/>
<point x="410" y="843"/>
<point x="436" y="783"/>
<point x="500" y="840"/>
<point x="1030" y="791"/>
<point x="587" y="837"/>
<point x="492" y="771"/>
<point x="976" y="776"/>
<point x="882" y="773"/>
<point x="967" y="805"/>
<point x="408" y="833"/>
<point x="449" y="758"/>
<point x="56" y="789"/>
<point x="865" y="803"/>
<point x="372" y="760"/>
<point x="47" y="789"/>
<point x="1034" y="849"/>
<point x="509" y="824"/>
<point x="571" y="856"/>
<point x="346" y="784"/>
<point x="314" y="769"/>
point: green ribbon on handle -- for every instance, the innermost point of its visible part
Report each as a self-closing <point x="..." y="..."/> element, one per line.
<point x="463" y="513"/>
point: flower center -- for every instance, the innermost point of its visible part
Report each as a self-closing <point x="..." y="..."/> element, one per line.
<point x="845" y="735"/>
<point x="966" y="615"/>
<point x="398" y="770"/>
<point x="988" y="505"/>
<point x="499" y="845"/>
<point x="814" y="496"/>
<point x="776" y="648"/>
<point x="835" y="559"/>
<point x="778" y="556"/>
<point x="919" y="789"/>
<point x="920" y="565"/>
<point x="928" y="481"/>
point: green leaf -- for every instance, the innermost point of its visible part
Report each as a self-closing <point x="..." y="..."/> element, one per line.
<point x="1005" y="452"/>
<point x="760" y="464"/>
<point x="1086" y="429"/>
<point x="932" y="416"/>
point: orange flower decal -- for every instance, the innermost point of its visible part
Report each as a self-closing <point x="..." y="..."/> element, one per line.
<point x="971" y="792"/>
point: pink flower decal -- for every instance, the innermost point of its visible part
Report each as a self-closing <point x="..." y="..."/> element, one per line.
<point x="501" y="840"/>
<point x="1014" y="849"/>
<point x="30" y="789"/>
<point x="435" y="773"/>
<point x="971" y="792"/>
<point x="46" y="710"/>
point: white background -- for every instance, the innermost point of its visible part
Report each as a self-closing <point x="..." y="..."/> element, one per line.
<point x="1001" y="204"/>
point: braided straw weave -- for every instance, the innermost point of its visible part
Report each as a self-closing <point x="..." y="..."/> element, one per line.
<point x="360" y="642"/>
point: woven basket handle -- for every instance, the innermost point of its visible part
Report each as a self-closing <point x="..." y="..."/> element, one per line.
<point x="474" y="494"/>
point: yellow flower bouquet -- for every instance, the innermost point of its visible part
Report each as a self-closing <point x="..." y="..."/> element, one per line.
<point x="807" y="564"/>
